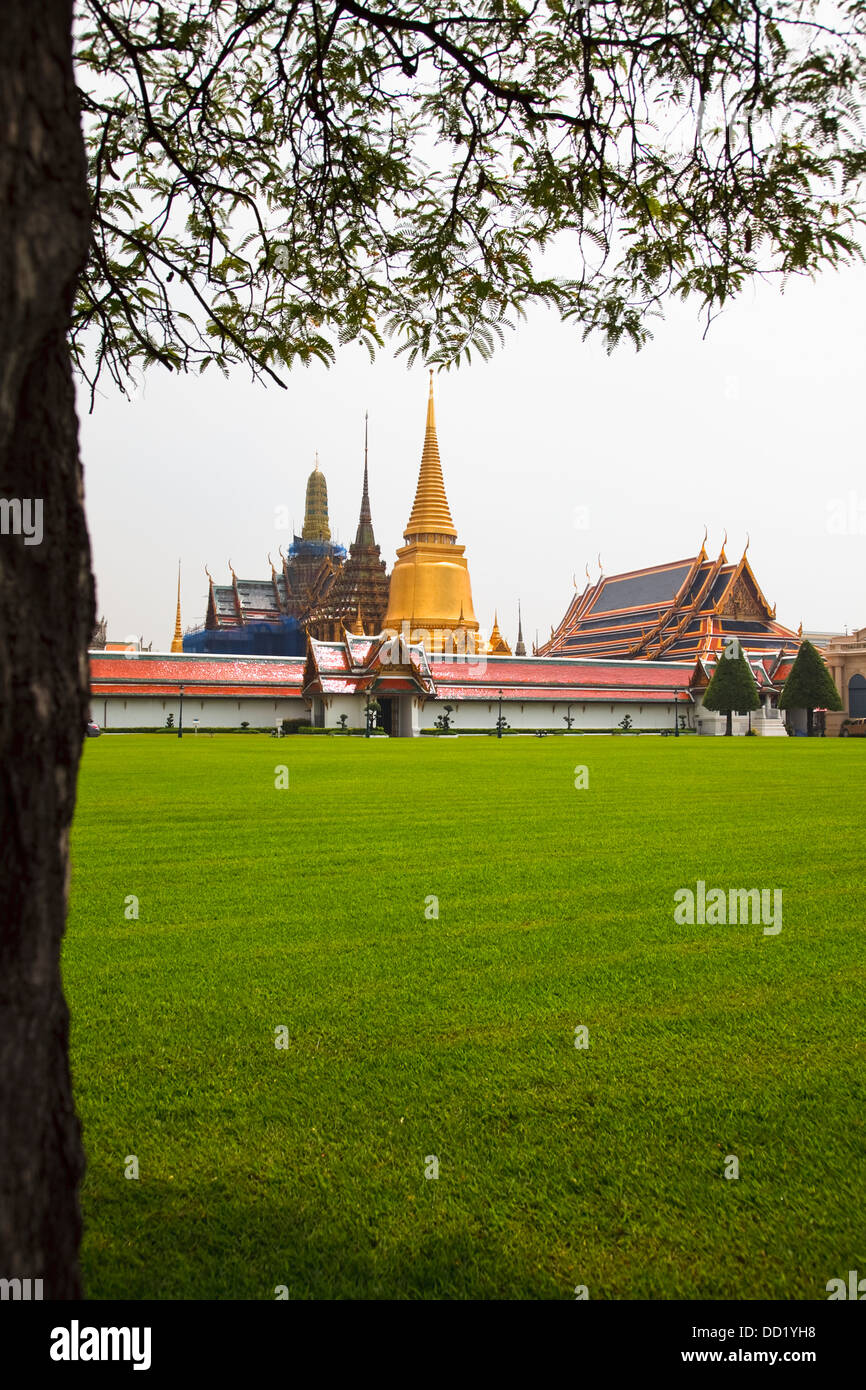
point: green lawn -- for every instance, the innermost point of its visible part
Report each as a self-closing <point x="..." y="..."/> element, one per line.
<point x="411" y="1036"/>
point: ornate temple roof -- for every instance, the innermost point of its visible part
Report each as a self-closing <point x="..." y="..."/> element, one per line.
<point x="366" y="665"/>
<point x="683" y="610"/>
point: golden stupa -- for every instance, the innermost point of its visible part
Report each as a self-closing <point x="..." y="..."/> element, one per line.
<point x="430" y="591"/>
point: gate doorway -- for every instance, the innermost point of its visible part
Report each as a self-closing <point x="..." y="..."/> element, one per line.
<point x="857" y="697"/>
<point x="387" y="716"/>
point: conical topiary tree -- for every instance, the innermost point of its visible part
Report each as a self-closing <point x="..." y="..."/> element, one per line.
<point x="810" y="685"/>
<point x="732" y="687"/>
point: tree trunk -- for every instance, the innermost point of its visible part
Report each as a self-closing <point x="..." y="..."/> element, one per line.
<point x="809" y="721"/>
<point x="46" y="619"/>
<point x="728" y="725"/>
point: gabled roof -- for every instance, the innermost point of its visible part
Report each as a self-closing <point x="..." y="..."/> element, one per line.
<point x="358" y="665"/>
<point x="676" y="611"/>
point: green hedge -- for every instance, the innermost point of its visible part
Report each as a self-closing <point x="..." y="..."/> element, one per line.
<point x="188" y="730"/>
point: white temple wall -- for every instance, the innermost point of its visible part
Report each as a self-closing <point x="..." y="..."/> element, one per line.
<point x="547" y="714"/>
<point x="350" y="705"/>
<point x="211" y="711"/>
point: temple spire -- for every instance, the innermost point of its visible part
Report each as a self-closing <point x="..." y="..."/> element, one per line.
<point x="316" y="526"/>
<point x="431" y="514"/>
<point x="364" y="537"/>
<point x="177" y="640"/>
<point x="520" y="649"/>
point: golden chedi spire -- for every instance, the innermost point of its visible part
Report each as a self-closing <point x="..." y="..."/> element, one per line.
<point x="316" y="526"/>
<point x="431" y="514"/>
<point x="177" y="639"/>
<point x="430" y="593"/>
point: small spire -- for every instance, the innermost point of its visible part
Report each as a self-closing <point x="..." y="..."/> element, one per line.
<point x="520" y="649"/>
<point x="177" y="640"/>
<point x="364" y="537"/>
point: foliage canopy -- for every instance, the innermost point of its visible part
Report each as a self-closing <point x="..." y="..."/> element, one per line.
<point x="272" y="179"/>
<point x="732" y="689"/>
<point x="809" y="685"/>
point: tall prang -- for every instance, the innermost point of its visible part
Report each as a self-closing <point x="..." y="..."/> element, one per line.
<point x="316" y="527"/>
<point x="430" y="598"/>
<point x="358" y="597"/>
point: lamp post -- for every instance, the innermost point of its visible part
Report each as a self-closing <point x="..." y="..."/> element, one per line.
<point x="499" y="720"/>
<point x="180" y="714"/>
<point x="676" y="720"/>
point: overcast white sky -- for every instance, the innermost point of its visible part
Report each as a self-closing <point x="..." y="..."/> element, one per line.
<point x="757" y="428"/>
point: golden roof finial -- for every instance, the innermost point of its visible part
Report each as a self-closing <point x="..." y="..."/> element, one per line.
<point x="209" y="575"/>
<point x="431" y="514"/>
<point x="800" y="629"/>
<point x="587" y="573"/>
<point x="177" y="640"/>
<point x="748" y="543"/>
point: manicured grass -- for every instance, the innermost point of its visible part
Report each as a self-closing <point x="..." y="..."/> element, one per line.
<point x="411" y="1036"/>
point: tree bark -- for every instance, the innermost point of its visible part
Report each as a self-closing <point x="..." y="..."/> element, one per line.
<point x="46" y="619"/>
<point x="729" y="725"/>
